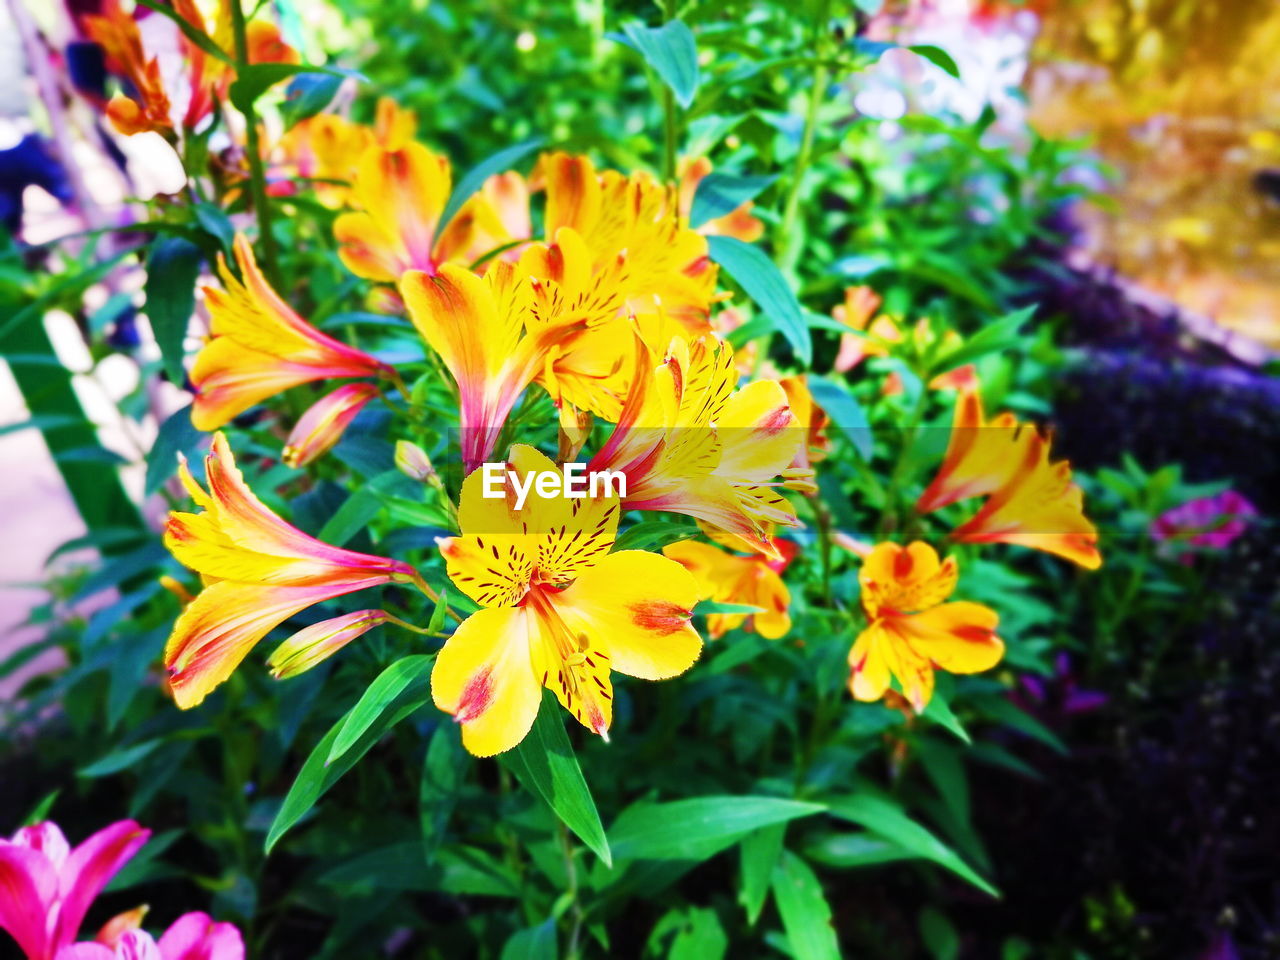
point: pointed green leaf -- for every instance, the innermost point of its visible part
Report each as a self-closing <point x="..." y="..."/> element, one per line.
<point x="889" y="821"/>
<point x="845" y="412"/>
<point x="707" y="825"/>
<point x="764" y="284"/>
<point x="545" y="763"/>
<point x="177" y="435"/>
<point x="474" y="178"/>
<point x="172" y="269"/>
<point x="936" y="56"/>
<point x="719" y="194"/>
<point x="380" y="695"/>
<point x="534" y="943"/>
<point x="760" y="852"/>
<point x="806" y="915"/>
<point x="316" y="777"/>
<point x="671" y="51"/>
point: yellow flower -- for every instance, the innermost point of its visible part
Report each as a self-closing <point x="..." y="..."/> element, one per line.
<point x="689" y="443"/>
<point x="751" y="581"/>
<point x="258" y="571"/>
<point x="911" y="629"/>
<point x="667" y="262"/>
<point x="1030" y="500"/>
<point x="560" y="611"/>
<point x="259" y="347"/>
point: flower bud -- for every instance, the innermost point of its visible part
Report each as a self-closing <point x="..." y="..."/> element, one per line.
<point x="413" y="462"/>
<point x="318" y="642"/>
<point x="322" y="425"/>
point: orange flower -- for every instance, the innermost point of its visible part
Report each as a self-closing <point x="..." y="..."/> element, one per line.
<point x="911" y="630"/>
<point x="258" y="571"/>
<point x="1031" y="501"/>
<point x="815" y="421"/>
<point x="259" y="347"/>
<point x="117" y="33"/>
<point x="737" y="223"/>
<point x="859" y="307"/>
<point x="982" y="455"/>
<point x="751" y="581"/>
<point x="1040" y="507"/>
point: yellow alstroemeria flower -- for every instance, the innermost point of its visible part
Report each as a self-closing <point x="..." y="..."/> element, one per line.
<point x="615" y="214"/>
<point x="560" y="611"/>
<point x="258" y="571"/>
<point x="259" y="347"/>
<point x="689" y="443"/>
<point x="751" y="581"/>
<point x="494" y="335"/>
<point x="1031" y="501"/>
<point x="911" y="630"/>
<point x="399" y="194"/>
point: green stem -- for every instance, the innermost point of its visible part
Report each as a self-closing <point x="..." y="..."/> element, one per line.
<point x="575" y="910"/>
<point x="670" y="121"/>
<point x="890" y="511"/>
<point x="820" y="78"/>
<point x="257" y="174"/>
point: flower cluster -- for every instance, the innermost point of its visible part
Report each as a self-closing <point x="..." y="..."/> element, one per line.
<point x="48" y="888"/>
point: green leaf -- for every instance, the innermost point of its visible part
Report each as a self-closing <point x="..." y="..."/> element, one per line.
<point x="214" y="221"/>
<point x="442" y="771"/>
<point x="701" y="938"/>
<point x="436" y="624"/>
<point x="654" y="534"/>
<point x="937" y="56"/>
<point x="707" y="825"/>
<point x="715" y="606"/>
<point x="999" y="335"/>
<point x="672" y="53"/>
<point x="889" y="821"/>
<point x="719" y="194"/>
<point x="118" y="760"/>
<point x="938" y="710"/>
<point x="378" y="698"/>
<point x="851" y="850"/>
<point x="545" y="763"/>
<point x="939" y="936"/>
<point x="764" y="284"/>
<point x="357" y="510"/>
<point x="845" y="412"/>
<point x="534" y="943"/>
<point x="41" y="810"/>
<point x="474" y="178"/>
<point x="760" y="851"/>
<point x="1000" y="709"/>
<point x="255" y="79"/>
<point x="308" y="94"/>
<point x="316" y="777"/>
<point x="172" y="269"/>
<point x="806" y="915"/>
<point x="177" y="435"/>
<point x="198" y="37"/>
<point x="46" y="421"/>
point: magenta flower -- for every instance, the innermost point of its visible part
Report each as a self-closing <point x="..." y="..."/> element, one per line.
<point x="46" y="887"/>
<point x="1212" y="522"/>
<point x="193" y="936"/>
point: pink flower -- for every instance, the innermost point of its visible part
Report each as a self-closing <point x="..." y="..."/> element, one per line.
<point x="193" y="936"/>
<point x="46" y="887"/>
<point x="1212" y="522"/>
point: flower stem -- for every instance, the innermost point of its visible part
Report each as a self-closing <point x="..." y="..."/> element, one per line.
<point x="820" y="78"/>
<point x="257" y="175"/>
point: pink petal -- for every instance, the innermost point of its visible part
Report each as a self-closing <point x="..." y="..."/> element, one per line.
<point x="46" y="838"/>
<point x="86" y="951"/>
<point x="194" y="936"/>
<point x="88" y="869"/>
<point x="28" y="887"/>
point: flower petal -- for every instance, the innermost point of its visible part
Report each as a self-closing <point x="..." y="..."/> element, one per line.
<point x="28" y="887"/>
<point x="195" y="936"/>
<point x="636" y="607"/>
<point x="959" y="637"/>
<point x="88" y="869"/>
<point x="484" y="677"/>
